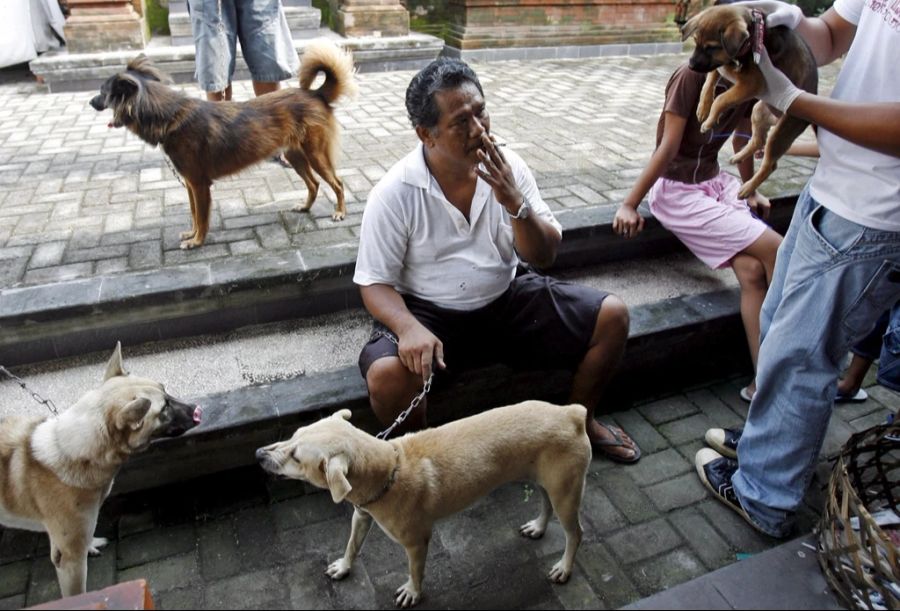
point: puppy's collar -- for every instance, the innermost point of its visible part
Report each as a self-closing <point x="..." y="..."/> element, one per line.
<point x="757" y="36"/>
<point x="387" y="485"/>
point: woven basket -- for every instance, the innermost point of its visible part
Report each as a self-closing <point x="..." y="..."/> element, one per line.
<point x="858" y="558"/>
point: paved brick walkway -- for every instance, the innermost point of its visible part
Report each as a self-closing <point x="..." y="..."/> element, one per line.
<point x="241" y="541"/>
<point x="78" y="199"/>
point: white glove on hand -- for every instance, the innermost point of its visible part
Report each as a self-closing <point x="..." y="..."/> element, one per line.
<point x="778" y="13"/>
<point x="780" y="92"/>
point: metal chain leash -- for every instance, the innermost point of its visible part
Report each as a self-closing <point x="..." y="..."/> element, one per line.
<point x="45" y="402"/>
<point x="416" y="400"/>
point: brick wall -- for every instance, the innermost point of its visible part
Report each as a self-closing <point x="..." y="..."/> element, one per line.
<point x="506" y="23"/>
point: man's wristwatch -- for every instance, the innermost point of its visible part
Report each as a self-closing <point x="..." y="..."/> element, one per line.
<point x="524" y="211"/>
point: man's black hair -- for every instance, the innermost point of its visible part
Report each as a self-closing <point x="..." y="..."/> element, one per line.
<point x="442" y="73"/>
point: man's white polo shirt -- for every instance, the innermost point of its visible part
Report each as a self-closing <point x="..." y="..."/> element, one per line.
<point x="415" y="240"/>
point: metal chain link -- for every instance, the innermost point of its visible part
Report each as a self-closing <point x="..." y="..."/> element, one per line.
<point x="405" y="413"/>
<point x="45" y="402"/>
<point x="174" y="171"/>
<point x="416" y="400"/>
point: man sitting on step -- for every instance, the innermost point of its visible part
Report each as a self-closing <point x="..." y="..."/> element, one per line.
<point x="441" y="240"/>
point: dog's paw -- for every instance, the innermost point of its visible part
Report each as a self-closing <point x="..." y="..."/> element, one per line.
<point x="187" y="235"/>
<point x="746" y="191"/>
<point x="338" y="215"/>
<point x="190" y="244"/>
<point x="407" y="595"/>
<point x="559" y="573"/>
<point x="338" y="569"/>
<point x="533" y="529"/>
<point x="96" y="544"/>
<point x="707" y="125"/>
<point x="702" y="113"/>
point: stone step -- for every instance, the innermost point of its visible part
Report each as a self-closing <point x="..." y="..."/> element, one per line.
<point x="259" y="384"/>
<point x="65" y="319"/>
<point x="64" y="71"/>
<point x="304" y="22"/>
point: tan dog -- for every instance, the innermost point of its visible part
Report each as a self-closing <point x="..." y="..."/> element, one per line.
<point x="724" y="38"/>
<point x="407" y="484"/>
<point x="55" y="472"/>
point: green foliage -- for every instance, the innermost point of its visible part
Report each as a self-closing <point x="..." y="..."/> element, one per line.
<point x="328" y="18"/>
<point x="157" y="18"/>
<point x="811" y="8"/>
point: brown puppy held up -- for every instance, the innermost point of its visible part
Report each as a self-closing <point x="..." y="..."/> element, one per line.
<point x="209" y="140"/>
<point x="409" y="483"/>
<point x="724" y="39"/>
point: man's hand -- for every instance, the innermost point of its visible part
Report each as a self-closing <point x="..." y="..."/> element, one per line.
<point x="780" y="92"/>
<point x="760" y="205"/>
<point x="498" y="174"/>
<point x="419" y="349"/>
<point x="628" y="222"/>
<point x="777" y="13"/>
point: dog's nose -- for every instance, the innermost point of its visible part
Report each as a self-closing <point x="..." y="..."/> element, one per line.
<point x="260" y="455"/>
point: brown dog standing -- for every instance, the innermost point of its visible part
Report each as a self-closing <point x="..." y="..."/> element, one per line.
<point x="209" y="140"/>
<point x="407" y="484"/>
<point x="724" y="37"/>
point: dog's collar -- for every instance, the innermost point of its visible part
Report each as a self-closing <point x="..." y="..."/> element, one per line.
<point x="387" y="485"/>
<point x="757" y="36"/>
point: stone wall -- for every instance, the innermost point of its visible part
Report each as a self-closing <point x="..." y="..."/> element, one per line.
<point x="478" y="24"/>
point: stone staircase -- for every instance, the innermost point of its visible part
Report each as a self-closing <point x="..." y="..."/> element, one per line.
<point x="303" y="19"/>
<point x="684" y="323"/>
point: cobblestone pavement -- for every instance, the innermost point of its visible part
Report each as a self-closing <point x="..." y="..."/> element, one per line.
<point x="78" y="199"/>
<point x="238" y="540"/>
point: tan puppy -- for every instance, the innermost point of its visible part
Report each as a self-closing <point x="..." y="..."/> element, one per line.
<point x="724" y="38"/>
<point x="407" y="484"/>
<point x="55" y="472"/>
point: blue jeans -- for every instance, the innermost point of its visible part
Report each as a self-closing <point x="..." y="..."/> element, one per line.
<point x="883" y="343"/>
<point x="832" y="280"/>
<point x="265" y="38"/>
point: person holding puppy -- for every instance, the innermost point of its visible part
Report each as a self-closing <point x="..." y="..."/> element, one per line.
<point x="838" y="268"/>
<point x="441" y="239"/>
<point x="698" y="202"/>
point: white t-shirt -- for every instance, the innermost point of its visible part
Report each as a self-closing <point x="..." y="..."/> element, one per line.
<point x="415" y="240"/>
<point x="859" y="184"/>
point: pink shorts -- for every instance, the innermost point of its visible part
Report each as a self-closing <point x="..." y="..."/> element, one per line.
<point x="707" y="217"/>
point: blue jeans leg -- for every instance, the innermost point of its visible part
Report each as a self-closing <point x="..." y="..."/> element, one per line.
<point x="836" y="278"/>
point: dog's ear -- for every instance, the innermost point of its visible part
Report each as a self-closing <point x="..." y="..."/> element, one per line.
<point x="123" y="87"/>
<point x="734" y="35"/>
<point x="143" y="66"/>
<point x="132" y="415"/>
<point x="688" y="29"/>
<point x="344" y="413"/>
<point x="115" y="367"/>
<point x="335" y="469"/>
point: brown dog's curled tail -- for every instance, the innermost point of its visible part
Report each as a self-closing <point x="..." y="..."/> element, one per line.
<point x="337" y="64"/>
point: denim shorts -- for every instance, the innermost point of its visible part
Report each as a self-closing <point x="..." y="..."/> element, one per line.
<point x="261" y="27"/>
<point x="883" y="343"/>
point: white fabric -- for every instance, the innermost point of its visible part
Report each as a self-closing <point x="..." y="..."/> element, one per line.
<point x="859" y="184"/>
<point x="28" y="27"/>
<point x="415" y="240"/>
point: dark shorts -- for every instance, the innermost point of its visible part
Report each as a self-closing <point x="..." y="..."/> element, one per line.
<point x="538" y="323"/>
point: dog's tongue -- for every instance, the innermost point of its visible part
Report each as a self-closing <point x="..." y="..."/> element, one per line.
<point x="110" y="125"/>
<point x="198" y="414"/>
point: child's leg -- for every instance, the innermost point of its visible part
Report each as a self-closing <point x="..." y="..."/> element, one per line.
<point x="753" y="267"/>
<point x="764" y="250"/>
<point x="751" y="275"/>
